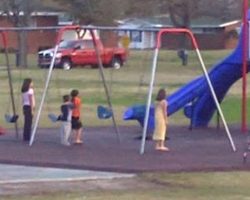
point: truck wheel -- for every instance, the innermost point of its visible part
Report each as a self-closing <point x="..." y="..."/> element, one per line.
<point x="116" y="63"/>
<point x="66" y="64"/>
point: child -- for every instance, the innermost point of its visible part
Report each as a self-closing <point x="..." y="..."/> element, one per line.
<point x="28" y="100"/>
<point x="65" y="117"/>
<point x="76" y="123"/>
<point x="160" y="121"/>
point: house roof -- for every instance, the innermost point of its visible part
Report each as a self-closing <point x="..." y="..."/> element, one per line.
<point x="37" y="13"/>
<point x="207" y="21"/>
<point x="165" y="21"/>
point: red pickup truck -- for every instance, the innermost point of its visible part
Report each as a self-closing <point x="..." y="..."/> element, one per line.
<point x="72" y="53"/>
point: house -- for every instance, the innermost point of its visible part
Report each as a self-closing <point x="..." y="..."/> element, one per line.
<point x="210" y="33"/>
<point x="138" y="39"/>
<point x="216" y="34"/>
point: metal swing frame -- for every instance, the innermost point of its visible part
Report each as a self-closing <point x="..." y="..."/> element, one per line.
<point x="151" y="85"/>
<point x="59" y="37"/>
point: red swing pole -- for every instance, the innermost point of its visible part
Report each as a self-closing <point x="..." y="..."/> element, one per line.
<point x="244" y="66"/>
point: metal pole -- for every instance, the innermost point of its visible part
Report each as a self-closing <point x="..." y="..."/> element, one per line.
<point x="244" y="68"/>
<point x="217" y="120"/>
<point x="43" y="96"/>
<point x="110" y="28"/>
<point x="104" y="83"/>
<point x="149" y="101"/>
<point x="215" y="99"/>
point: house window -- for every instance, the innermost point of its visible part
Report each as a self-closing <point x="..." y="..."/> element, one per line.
<point x="136" y="36"/>
<point x="122" y="33"/>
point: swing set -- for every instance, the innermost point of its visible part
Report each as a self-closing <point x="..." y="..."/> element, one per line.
<point x="153" y="73"/>
<point x="103" y="112"/>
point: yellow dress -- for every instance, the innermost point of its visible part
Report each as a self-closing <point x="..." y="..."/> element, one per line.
<point x="160" y="123"/>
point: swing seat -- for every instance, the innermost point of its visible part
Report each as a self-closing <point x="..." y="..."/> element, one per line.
<point x="103" y="112"/>
<point x="53" y="118"/>
<point x="11" y="118"/>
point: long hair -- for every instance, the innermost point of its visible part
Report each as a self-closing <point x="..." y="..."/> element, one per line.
<point x="161" y="95"/>
<point x="26" y="84"/>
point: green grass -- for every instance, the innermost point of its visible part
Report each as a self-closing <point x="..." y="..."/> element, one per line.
<point x="127" y="86"/>
<point x="176" y="186"/>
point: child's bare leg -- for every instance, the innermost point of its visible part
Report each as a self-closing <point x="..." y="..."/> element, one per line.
<point x="74" y="134"/>
<point x="78" y="136"/>
<point x="157" y="144"/>
<point x="162" y="146"/>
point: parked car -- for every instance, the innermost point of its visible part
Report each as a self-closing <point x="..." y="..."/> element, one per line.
<point x="73" y="53"/>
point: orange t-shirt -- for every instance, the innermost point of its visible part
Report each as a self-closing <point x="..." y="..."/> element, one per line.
<point x="77" y="107"/>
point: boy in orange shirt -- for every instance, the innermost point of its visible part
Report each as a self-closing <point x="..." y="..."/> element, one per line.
<point x="76" y="112"/>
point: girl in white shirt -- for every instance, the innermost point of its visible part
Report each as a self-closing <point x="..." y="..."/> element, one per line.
<point x="28" y="100"/>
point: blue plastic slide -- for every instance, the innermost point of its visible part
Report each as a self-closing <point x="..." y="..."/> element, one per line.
<point x="195" y="97"/>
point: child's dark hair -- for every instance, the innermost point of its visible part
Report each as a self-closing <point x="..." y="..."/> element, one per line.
<point x="74" y="93"/>
<point x="66" y="98"/>
<point x="161" y="94"/>
<point x="26" y="84"/>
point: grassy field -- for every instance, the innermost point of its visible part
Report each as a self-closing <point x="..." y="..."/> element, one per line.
<point x="127" y="86"/>
<point x="181" y="186"/>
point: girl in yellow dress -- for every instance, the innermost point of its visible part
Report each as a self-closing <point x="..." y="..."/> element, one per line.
<point x="160" y="121"/>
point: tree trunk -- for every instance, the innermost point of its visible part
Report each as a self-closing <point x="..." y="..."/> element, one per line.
<point x="180" y="17"/>
<point x="22" y="49"/>
<point x="186" y="24"/>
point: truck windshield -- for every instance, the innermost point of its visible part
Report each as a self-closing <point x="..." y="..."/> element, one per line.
<point x="69" y="44"/>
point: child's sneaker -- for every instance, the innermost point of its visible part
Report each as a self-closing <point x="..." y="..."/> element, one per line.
<point x="66" y="143"/>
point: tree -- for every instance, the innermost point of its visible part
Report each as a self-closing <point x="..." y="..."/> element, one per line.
<point x="95" y="12"/>
<point x="19" y="13"/>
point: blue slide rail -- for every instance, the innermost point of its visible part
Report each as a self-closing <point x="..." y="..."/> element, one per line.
<point x="223" y="75"/>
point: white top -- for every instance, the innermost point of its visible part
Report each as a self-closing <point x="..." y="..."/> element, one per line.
<point x="26" y="97"/>
<point x="69" y="115"/>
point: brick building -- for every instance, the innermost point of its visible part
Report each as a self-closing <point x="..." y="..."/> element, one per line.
<point x="36" y="39"/>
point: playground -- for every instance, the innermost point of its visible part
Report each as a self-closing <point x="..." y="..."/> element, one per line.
<point x="104" y="148"/>
<point x="196" y="150"/>
<point x="200" y="136"/>
<point x="199" y="94"/>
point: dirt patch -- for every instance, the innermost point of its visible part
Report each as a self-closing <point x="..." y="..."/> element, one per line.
<point x="15" y="189"/>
